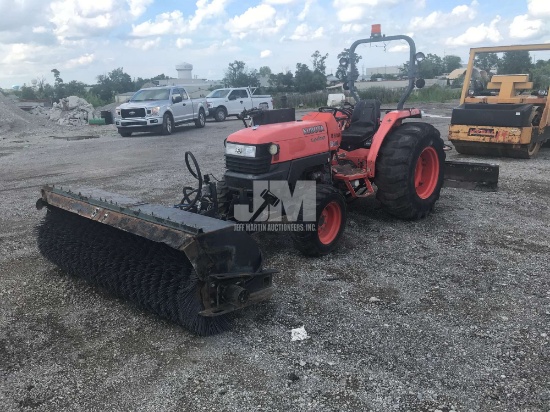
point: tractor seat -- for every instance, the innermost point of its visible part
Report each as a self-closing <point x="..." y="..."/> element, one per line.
<point x="364" y="123"/>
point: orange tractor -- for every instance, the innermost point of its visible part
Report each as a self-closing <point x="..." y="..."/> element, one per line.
<point x="188" y="263"/>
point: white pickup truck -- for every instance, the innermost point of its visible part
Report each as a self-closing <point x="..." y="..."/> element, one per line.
<point x="159" y="108"/>
<point x="231" y="102"/>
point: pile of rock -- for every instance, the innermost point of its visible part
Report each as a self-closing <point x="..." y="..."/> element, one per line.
<point x="71" y="110"/>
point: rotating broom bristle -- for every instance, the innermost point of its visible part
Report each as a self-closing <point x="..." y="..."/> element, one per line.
<point x="150" y="274"/>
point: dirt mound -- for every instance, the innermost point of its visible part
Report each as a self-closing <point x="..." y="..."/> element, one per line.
<point x="15" y="120"/>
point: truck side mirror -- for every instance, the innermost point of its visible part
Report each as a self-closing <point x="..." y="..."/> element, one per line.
<point x="233" y="97"/>
<point x="176" y="99"/>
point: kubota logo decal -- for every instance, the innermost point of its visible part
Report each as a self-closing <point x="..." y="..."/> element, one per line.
<point x="479" y="131"/>
<point x="313" y="129"/>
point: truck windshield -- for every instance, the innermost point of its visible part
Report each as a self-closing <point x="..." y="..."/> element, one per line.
<point x="218" y="93"/>
<point x="143" y="95"/>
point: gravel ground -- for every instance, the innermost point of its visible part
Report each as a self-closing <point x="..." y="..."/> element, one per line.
<point x="450" y="313"/>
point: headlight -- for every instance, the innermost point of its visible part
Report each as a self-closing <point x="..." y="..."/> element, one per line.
<point x="273" y="149"/>
<point x="117" y="111"/>
<point x="155" y="111"/>
<point x="240" y="150"/>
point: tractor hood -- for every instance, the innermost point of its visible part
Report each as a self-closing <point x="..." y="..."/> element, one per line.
<point x="280" y="132"/>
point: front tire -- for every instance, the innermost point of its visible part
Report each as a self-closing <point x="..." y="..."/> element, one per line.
<point x="409" y="170"/>
<point x="220" y="114"/>
<point x="167" y="124"/>
<point x="331" y="215"/>
<point x="200" y="121"/>
<point x="124" y="133"/>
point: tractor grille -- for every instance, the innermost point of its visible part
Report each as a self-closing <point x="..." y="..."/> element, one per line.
<point x="129" y="113"/>
<point x="248" y="165"/>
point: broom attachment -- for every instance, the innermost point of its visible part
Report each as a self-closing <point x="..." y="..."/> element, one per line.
<point x="185" y="267"/>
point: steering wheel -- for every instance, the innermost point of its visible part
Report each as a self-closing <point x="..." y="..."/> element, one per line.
<point x="190" y="194"/>
<point x="344" y="111"/>
<point x="249" y="114"/>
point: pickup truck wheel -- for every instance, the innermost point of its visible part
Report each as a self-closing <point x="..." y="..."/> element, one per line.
<point x="220" y="114"/>
<point x="167" y="124"/>
<point x="124" y="133"/>
<point x="200" y="121"/>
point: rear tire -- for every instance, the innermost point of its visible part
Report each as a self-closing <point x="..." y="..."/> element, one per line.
<point x="167" y="124"/>
<point x="331" y="215"/>
<point x="409" y="170"/>
<point x="220" y="114"/>
<point x="200" y="121"/>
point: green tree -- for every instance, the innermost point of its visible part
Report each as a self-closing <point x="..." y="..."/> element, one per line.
<point x="515" y="62"/>
<point x="540" y="75"/>
<point x="75" y="88"/>
<point x="27" y="93"/>
<point x="341" y="72"/>
<point x="47" y="92"/>
<point x="236" y="75"/>
<point x="431" y="67"/>
<point x="486" y="61"/>
<point x="306" y="80"/>
<point x="115" y="82"/>
<point x="451" y="62"/>
<point x="281" y="82"/>
<point x="59" y="89"/>
<point x="265" y="71"/>
<point x="319" y="62"/>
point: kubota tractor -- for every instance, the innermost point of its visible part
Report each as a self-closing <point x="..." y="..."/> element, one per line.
<point x="188" y="263"/>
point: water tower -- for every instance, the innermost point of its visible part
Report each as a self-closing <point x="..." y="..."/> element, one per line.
<point x="184" y="71"/>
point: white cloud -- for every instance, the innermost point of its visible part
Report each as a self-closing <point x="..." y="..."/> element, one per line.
<point x="522" y="27"/>
<point x="80" y="61"/>
<point x="85" y="8"/>
<point x="350" y="14"/>
<point x="304" y="13"/>
<point x="440" y="20"/>
<point x="279" y="1"/>
<point x="206" y="10"/>
<point x="353" y="10"/>
<point x="261" y="19"/>
<point x="17" y="53"/>
<point x="399" y="48"/>
<point x="304" y="32"/>
<point x="143" y="44"/>
<point x="39" y="29"/>
<point x="539" y="8"/>
<point x="354" y="28"/>
<point x="165" y="23"/>
<point x="73" y="19"/>
<point x="181" y="43"/>
<point x="478" y="34"/>
<point x="138" y="7"/>
<point x="265" y="53"/>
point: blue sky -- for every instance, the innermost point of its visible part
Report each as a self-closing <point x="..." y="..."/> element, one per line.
<point x="83" y="38"/>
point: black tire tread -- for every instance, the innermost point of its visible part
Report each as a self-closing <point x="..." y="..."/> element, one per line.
<point x="393" y="170"/>
<point x="306" y="242"/>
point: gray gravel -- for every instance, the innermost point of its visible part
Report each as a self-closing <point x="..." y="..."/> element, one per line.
<point x="460" y="321"/>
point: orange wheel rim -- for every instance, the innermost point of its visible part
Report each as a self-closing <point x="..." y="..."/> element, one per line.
<point x="329" y="223"/>
<point x="426" y="174"/>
